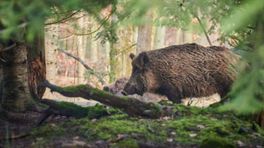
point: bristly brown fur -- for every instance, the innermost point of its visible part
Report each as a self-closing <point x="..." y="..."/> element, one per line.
<point x="188" y="70"/>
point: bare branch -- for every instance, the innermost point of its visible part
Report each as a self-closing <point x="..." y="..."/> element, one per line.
<point x="127" y="49"/>
<point x="83" y="34"/>
<point x="205" y="32"/>
<point x="96" y="30"/>
<point x="17" y="27"/>
<point x="63" y="19"/>
<point x="8" y="48"/>
<point x="92" y="71"/>
<point x="77" y="59"/>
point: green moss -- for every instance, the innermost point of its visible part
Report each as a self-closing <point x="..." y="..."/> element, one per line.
<point x="182" y="111"/>
<point x="118" y="116"/>
<point x="96" y="111"/>
<point x="190" y="126"/>
<point x="204" y="123"/>
<point x="216" y="142"/>
<point x="156" y="107"/>
<point x="129" y="143"/>
<point x="111" y="127"/>
<point x="48" y="131"/>
<point x="98" y="91"/>
<point x="74" y="89"/>
<point x="107" y="129"/>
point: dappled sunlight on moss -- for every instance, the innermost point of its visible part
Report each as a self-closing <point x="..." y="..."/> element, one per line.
<point x="131" y="143"/>
<point x="49" y="131"/>
<point x="74" y="89"/>
<point x="190" y="126"/>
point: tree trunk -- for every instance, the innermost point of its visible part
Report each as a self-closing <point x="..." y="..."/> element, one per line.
<point x="260" y="118"/>
<point x="170" y="36"/>
<point x="159" y="37"/>
<point x="23" y="69"/>
<point x="36" y="66"/>
<point x="81" y="48"/>
<point x="113" y="62"/>
<point x="112" y="57"/>
<point x="16" y="94"/>
<point x="144" y="38"/>
<point x="50" y="54"/>
<point x="1" y="78"/>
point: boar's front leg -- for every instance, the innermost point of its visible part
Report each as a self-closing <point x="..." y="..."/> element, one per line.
<point x="172" y="94"/>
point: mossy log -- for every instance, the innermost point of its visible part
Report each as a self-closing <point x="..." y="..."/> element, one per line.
<point x="72" y="110"/>
<point x="131" y="106"/>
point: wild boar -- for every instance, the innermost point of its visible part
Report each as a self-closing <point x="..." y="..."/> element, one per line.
<point x="181" y="71"/>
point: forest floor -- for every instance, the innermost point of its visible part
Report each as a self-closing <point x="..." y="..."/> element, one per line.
<point x="108" y="127"/>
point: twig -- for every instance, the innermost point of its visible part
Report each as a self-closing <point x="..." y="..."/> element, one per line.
<point x="97" y="29"/>
<point x="205" y="32"/>
<point x="83" y="63"/>
<point x="2" y="60"/>
<point x="83" y="34"/>
<point x="63" y="19"/>
<point x="8" y="48"/>
<point x="77" y="59"/>
<point x="15" y="137"/>
<point x="17" y="27"/>
<point x="125" y="50"/>
<point x="66" y="38"/>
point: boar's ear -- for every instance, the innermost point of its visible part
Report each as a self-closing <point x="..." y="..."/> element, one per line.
<point x="143" y="59"/>
<point x="131" y="55"/>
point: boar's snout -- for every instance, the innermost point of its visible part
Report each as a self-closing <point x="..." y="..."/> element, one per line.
<point x="131" y="89"/>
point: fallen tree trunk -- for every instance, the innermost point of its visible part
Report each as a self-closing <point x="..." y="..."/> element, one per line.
<point x="131" y="106"/>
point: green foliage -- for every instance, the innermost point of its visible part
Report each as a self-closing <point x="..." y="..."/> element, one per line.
<point x="243" y="16"/>
<point x="248" y="90"/>
<point x="183" y="14"/>
<point x="134" y="11"/>
<point x="28" y="17"/>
